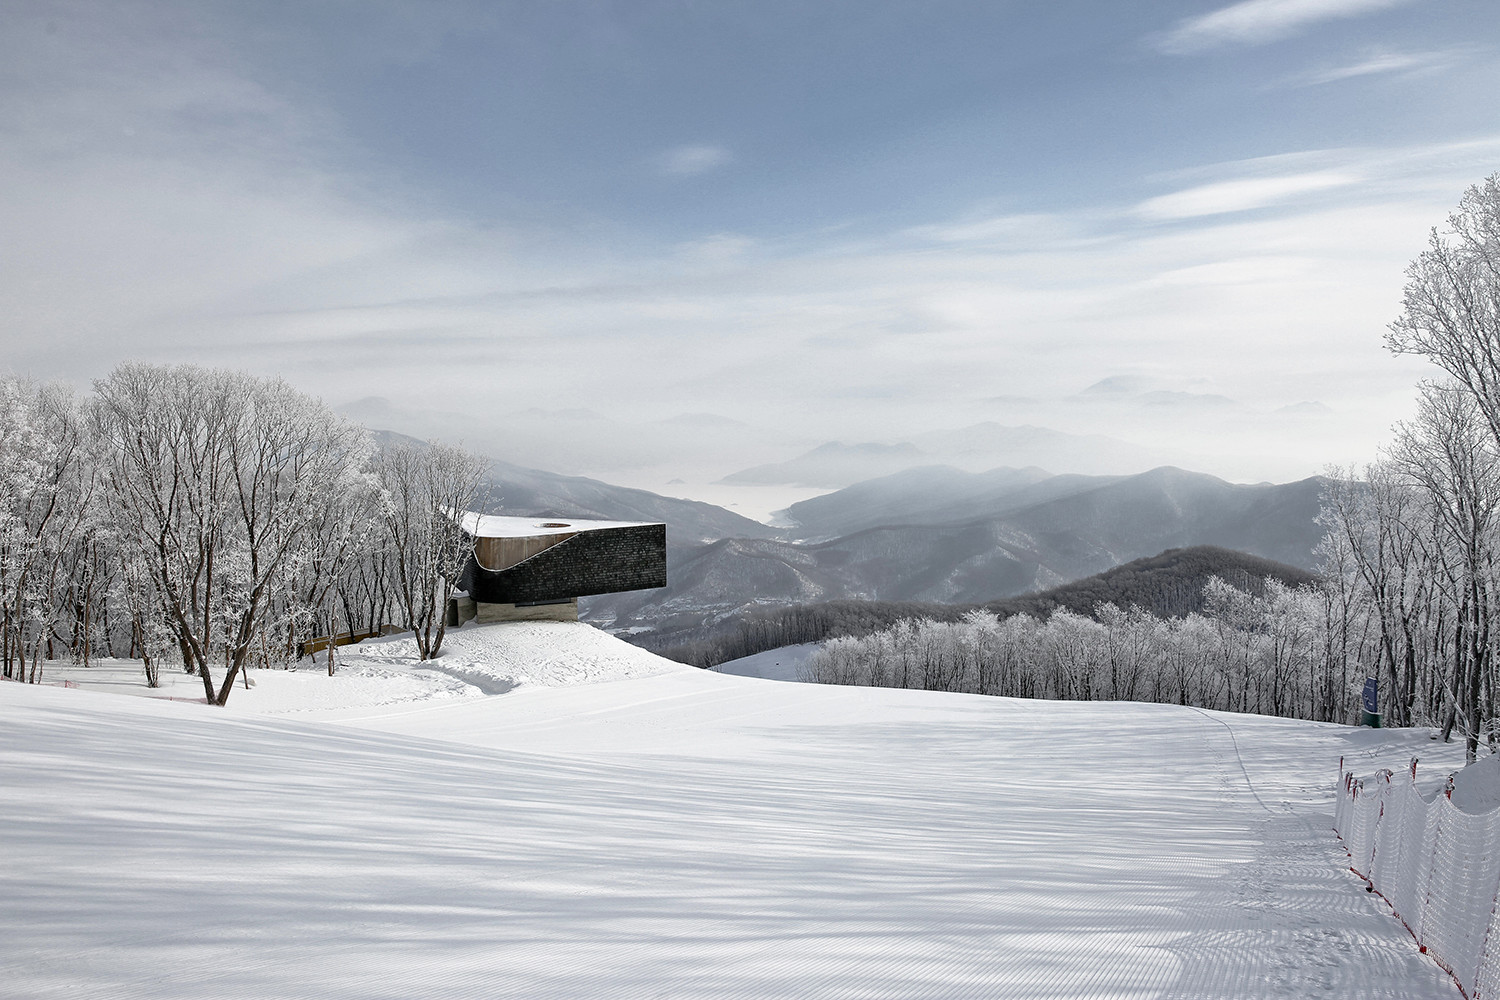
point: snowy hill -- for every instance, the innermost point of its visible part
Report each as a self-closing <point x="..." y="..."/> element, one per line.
<point x="619" y="826"/>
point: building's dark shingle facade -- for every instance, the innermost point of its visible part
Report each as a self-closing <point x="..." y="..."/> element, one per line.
<point x="602" y="560"/>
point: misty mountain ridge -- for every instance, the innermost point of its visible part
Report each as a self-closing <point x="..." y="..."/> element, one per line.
<point x="833" y="464"/>
<point x="988" y="547"/>
<point x="518" y="491"/>
<point x="1145" y="392"/>
<point x="533" y="493"/>
<point x="942" y="535"/>
<point x="939" y="494"/>
<point x="987" y="445"/>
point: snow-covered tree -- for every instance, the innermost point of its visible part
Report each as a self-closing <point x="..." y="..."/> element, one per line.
<point x="220" y="483"/>
<point x="46" y="493"/>
<point x="1451" y="303"/>
<point x="426" y="488"/>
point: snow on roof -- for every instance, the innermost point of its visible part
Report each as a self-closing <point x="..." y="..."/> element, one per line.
<point x="498" y="526"/>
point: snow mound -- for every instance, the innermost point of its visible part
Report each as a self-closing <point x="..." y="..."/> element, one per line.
<point x="1476" y="788"/>
<point x="476" y="661"/>
<point x="495" y="658"/>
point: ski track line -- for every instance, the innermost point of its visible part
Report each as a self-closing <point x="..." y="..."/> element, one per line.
<point x="1238" y="758"/>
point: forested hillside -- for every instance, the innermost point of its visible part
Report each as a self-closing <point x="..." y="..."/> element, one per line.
<point x="1166" y="585"/>
<point x="1169" y="585"/>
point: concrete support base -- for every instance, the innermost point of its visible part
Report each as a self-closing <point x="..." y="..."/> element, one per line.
<point x="566" y="611"/>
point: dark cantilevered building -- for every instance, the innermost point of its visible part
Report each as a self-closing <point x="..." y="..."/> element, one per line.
<point x="535" y="569"/>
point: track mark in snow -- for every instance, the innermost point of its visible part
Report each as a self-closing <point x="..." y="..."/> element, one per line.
<point x="487" y="683"/>
<point x="1238" y="759"/>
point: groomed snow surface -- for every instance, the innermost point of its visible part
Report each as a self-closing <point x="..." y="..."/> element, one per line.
<point x="547" y="812"/>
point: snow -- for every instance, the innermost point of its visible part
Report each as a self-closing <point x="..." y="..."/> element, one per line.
<point x="475" y="660"/>
<point x="501" y="526"/>
<point x="615" y="825"/>
<point x="496" y="659"/>
<point x="782" y="664"/>
<point x="1476" y="788"/>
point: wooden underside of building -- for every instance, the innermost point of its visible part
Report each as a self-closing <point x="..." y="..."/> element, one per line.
<point x="466" y="609"/>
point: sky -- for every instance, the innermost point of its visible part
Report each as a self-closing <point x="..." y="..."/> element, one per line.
<point x="1178" y="223"/>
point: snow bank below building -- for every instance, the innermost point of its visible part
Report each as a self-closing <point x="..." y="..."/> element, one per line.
<point x="475" y="661"/>
<point x="496" y="658"/>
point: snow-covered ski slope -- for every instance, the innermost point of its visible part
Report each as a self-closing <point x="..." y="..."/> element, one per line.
<point x="674" y="833"/>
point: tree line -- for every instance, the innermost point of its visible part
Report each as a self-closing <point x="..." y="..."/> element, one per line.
<point x="212" y="520"/>
<point x="1410" y="585"/>
<point x="1169" y="585"/>
<point x="1270" y="654"/>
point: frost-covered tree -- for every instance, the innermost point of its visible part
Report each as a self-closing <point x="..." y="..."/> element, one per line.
<point x="46" y="493"/>
<point x="1451" y="303"/>
<point x="1448" y="453"/>
<point x="136" y="594"/>
<point x="220" y="482"/>
<point x="345" y="532"/>
<point x="426" y="488"/>
<point x="1250" y="652"/>
<point x="1382" y="522"/>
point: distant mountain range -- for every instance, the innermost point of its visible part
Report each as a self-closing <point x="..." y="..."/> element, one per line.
<point x="937" y="494"/>
<point x="980" y="446"/>
<point x="1150" y="512"/>
<point x="833" y="464"/>
<point x="935" y="534"/>
<point x="974" y="538"/>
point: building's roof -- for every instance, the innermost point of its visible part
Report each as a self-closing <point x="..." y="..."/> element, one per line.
<point x="498" y="526"/>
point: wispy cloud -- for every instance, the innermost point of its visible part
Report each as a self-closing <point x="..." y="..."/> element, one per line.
<point x="1020" y="230"/>
<point x="163" y="204"/>
<point x="1379" y="62"/>
<point x="686" y="161"/>
<point x="717" y="250"/>
<point x="1223" y="197"/>
<point x="1255" y="22"/>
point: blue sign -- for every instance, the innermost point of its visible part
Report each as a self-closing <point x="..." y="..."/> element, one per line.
<point x="1370" y="697"/>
